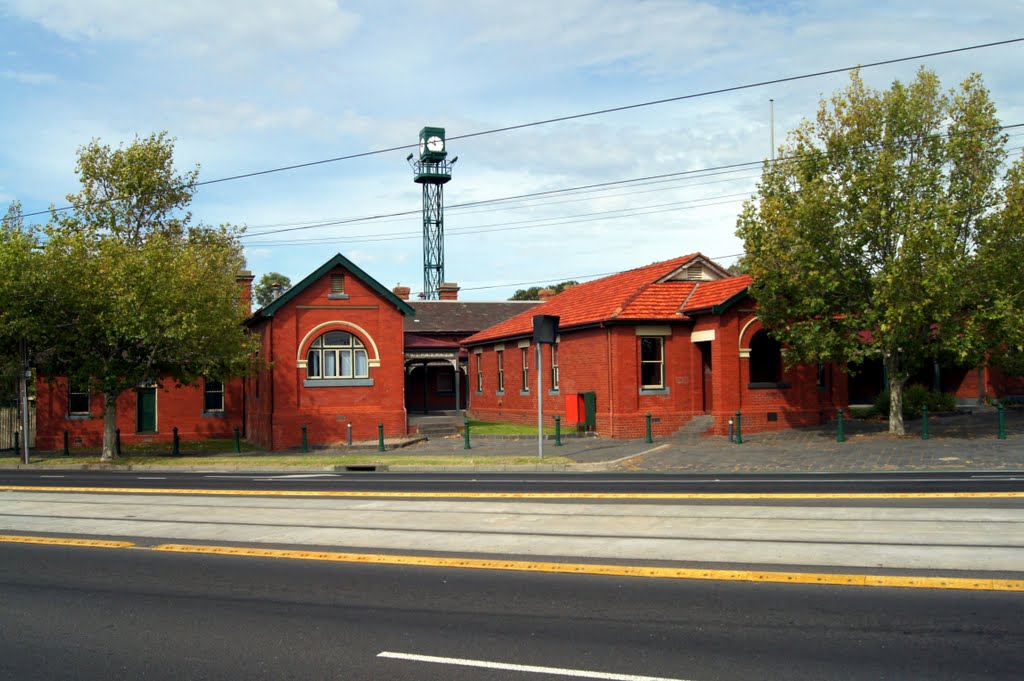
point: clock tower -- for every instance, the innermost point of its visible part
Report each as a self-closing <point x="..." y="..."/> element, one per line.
<point x="432" y="170"/>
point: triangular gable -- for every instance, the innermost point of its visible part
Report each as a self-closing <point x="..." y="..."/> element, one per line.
<point x="700" y="268"/>
<point x="337" y="260"/>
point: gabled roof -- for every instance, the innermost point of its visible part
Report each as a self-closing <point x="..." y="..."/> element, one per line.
<point x="462" y="317"/>
<point x="337" y="260"/>
<point x="414" y="342"/>
<point x="649" y="293"/>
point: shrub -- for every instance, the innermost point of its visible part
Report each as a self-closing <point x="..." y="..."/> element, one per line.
<point x="915" y="397"/>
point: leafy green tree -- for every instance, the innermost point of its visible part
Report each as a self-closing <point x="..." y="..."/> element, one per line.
<point x="138" y="295"/>
<point x="533" y="293"/>
<point x="264" y="289"/>
<point x="878" y="234"/>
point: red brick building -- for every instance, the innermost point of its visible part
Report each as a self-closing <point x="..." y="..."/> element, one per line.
<point x="333" y="346"/>
<point x="676" y="339"/>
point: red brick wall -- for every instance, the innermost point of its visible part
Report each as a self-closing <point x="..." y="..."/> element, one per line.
<point x="326" y="411"/>
<point x="180" y="407"/>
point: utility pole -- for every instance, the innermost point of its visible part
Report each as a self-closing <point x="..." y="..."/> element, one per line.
<point x="24" y="375"/>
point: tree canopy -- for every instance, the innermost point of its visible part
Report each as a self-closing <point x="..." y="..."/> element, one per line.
<point x="533" y="293"/>
<point x="127" y="291"/>
<point x="264" y="289"/>
<point x="889" y="227"/>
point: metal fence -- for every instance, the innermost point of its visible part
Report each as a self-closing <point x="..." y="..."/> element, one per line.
<point x="10" y="424"/>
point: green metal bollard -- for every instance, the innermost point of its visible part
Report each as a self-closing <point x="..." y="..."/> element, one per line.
<point x="840" y="435"/>
<point x="305" y="441"/>
<point x="1002" y="421"/>
<point x="924" y="422"/>
<point x="558" y="431"/>
<point x="739" y="437"/>
<point x="238" y="440"/>
<point x="465" y="434"/>
<point x="117" y="442"/>
<point x="175" y="443"/>
<point x="380" y="437"/>
<point x="648" y="438"/>
<point x="67" y="450"/>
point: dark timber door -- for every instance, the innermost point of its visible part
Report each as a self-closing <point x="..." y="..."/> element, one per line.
<point x="705" y="379"/>
<point x="145" y="419"/>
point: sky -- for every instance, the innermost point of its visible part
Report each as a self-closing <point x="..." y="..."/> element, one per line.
<point x="252" y="85"/>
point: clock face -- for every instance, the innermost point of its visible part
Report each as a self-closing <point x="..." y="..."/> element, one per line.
<point x="434" y="143"/>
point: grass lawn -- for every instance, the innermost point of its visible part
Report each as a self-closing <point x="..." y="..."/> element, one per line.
<point x="497" y="428"/>
<point x="288" y="460"/>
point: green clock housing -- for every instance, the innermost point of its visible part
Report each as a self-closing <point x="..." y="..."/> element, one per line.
<point x="432" y="145"/>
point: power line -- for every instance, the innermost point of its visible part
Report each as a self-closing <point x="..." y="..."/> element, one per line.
<point x="600" y="112"/>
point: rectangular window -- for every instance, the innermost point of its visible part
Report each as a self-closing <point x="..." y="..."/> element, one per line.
<point x="554" y="366"/>
<point x="213" y="396"/>
<point x="652" y="362"/>
<point x="526" y="369"/>
<point x="500" y="354"/>
<point x="78" y="399"/>
<point x="479" y="374"/>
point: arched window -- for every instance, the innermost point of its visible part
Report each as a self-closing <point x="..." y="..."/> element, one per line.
<point x="765" y="358"/>
<point x="337" y="354"/>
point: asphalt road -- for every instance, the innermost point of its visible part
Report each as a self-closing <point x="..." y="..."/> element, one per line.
<point x="633" y="483"/>
<point x="77" y="613"/>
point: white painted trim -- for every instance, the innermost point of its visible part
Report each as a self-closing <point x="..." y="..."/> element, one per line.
<point x="499" y="346"/>
<point x="702" y="336"/>
<point x="374" y="361"/>
<point x="524" y="343"/>
<point x="659" y="330"/>
<point x="478" y="351"/>
<point x="743" y="332"/>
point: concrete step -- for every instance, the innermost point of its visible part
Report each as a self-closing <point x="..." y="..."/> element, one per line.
<point x="697" y="426"/>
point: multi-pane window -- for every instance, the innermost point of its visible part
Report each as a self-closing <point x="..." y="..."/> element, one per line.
<point x="337" y="354"/>
<point x="78" y="399"/>
<point x="652" y="362"/>
<point x="554" y="366"/>
<point x="213" y="396"/>
<point x="501" y="370"/>
<point x="479" y="373"/>
<point x="526" y="369"/>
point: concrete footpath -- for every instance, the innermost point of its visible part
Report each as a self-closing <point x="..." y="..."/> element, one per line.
<point x="967" y="440"/>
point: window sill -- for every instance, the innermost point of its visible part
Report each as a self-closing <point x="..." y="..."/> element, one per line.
<point x="337" y="382"/>
<point x="219" y="414"/>
<point x="767" y="386"/>
<point x="500" y="393"/>
<point x="524" y="393"/>
<point x="554" y="392"/>
<point x="654" y="391"/>
<point x="78" y="417"/>
<point x="337" y="296"/>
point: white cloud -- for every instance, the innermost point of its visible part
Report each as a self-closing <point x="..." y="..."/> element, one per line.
<point x="196" y="26"/>
<point x="29" y="77"/>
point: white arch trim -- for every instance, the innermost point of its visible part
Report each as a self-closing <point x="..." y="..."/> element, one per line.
<point x="745" y="351"/>
<point x="373" y="361"/>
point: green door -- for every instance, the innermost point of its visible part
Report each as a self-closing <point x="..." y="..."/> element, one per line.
<point x="145" y="417"/>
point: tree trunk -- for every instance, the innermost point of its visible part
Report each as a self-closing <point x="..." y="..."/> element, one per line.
<point x="896" y="383"/>
<point x="109" y="427"/>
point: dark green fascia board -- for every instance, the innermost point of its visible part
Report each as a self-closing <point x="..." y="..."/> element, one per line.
<point x="719" y="309"/>
<point x="337" y="260"/>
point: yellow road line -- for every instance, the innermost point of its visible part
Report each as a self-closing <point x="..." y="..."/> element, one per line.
<point x="65" y="541"/>
<point x="612" y="570"/>
<point x="906" y="582"/>
<point x="527" y="495"/>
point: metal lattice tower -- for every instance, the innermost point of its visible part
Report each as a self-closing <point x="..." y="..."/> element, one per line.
<point x="432" y="170"/>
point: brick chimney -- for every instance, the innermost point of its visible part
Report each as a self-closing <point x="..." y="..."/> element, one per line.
<point x="448" y="291"/>
<point x="244" y="279"/>
<point x="545" y="294"/>
<point x="402" y="291"/>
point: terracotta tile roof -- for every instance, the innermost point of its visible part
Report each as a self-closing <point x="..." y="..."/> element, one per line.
<point x="711" y="293"/>
<point x="658" y="301"/>
<point x="631" y="295"/>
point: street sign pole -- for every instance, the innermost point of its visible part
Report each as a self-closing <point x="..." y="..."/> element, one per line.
<point x="540" y="401"/>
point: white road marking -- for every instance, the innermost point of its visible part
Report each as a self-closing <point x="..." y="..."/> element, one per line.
<point x="530" y="669"/>
<point x="149" y="478"/>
